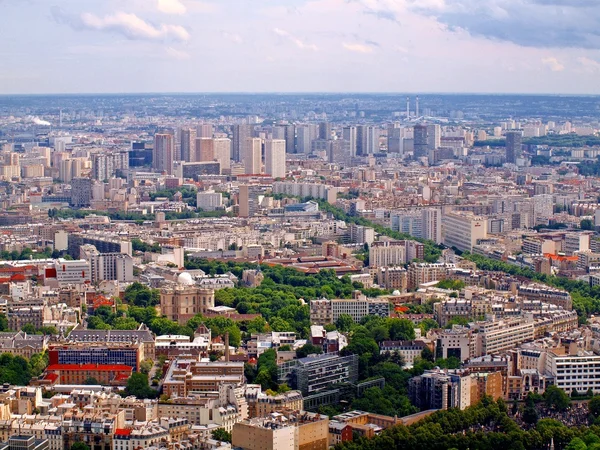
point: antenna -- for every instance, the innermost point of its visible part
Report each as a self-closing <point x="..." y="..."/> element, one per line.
<point x="417" y="107"/>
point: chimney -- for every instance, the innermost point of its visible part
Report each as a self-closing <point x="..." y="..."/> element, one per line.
<point x="226" y="347"/>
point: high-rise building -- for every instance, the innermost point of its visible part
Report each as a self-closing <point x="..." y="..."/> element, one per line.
<point x="395" y="138"/>
<point x="81" y="192"/>
<point x="367" y="138"/>
<point x="241" y="133"/>
<point x="463" y="229"/>
<point x="164" y="153"/>
<point x="106" y="165"/>
<point x="204" y="150"/>
<point x="513" y="146"/>
<point x="251" y="155"/>
<point x="421" y="141"/>
<point x="275" y="150"/>
<point x="324" y="131"/>
<point x="434" y="136"/>
<point x="290" y="138"/>
<point x="205" y="130"/>
<point x="222" y="150"/>
<point x="349" y="135"/>
<point x="188" y="143"/>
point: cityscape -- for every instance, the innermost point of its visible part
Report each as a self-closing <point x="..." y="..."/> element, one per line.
<point x="310" y="225"/>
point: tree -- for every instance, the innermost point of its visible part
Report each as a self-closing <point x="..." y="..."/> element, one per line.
<point x="80" y="446"/>
<point x="530" y="415"/>
<point x="308" y="349"/>
<point x="586" y="224"/>
<point x="427" y="354"/>
<point x="594" y="406"/>
<point x="29" y="328"/>
<point x="556" y="398"/>
<point x="90" y="381"/>
<point x="221" y="435"/>
<point x="344" y="323"/>
<point x="137" y="385"/>
<point x="146" y="366"/>
<point x="576" y="444"/>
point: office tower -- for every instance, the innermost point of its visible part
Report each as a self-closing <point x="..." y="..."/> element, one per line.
<point x="65" y="170"/>
<point x="81" y="192"/>
<point x="275" y="158"/>
<point x="306" y="134"/>
<point x="513" y="146"/>
<point x="163" y="155"/>
<point x="434" y="136"/>
<point x="205" y="130"/>
<point x="204" y="150"/>
<point x="361" y="140"/>
<point x="240" y="135"/>
<point x="222" y="151"/>
<point x="395" y="138"/>
<point x="290" y="138"/>
<point x="432" y="224"/>
<point x="349" y="135"/>
<point x="463" y="229"/>
<point x="421" y="141"/>
<point x="188" y="143"/>
<point x="251" y="155"/>
<point x="278" y="132"/>
<point x="324" y="131"/>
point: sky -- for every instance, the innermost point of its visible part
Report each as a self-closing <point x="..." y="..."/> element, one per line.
<point x="475" y="46"/>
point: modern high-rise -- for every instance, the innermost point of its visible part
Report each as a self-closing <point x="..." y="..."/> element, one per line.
<point x="106" y="165"/>
<point x="241" y="133"/>
<point x="205" y="130"/>
<point x="513" y="146"/>
<point x="349" y="135"/>
<point x="222" y="152"/>
<point x="434" y="136"/>
<point x="290" y="138"/>
<point x="395" y="138"/>
<point x="463" y="229"/>
<point x="367" y="138"/>
<point x="305" y="135"/>
<point x="251" y="155"/>
<point x="275" y="150"/>
<point x="188" y="143"/>
<point x="164" y="153"/>
<point x="324" y="131"/>
<point x="204" y="150"/>
<point x="81" y="192"/>
<point x="421" y="141"/>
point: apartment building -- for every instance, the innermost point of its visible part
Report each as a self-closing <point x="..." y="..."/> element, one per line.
<point x="183" y="300"/>
<point x="440" y="389"/>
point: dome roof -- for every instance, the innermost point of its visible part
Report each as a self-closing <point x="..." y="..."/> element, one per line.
<point x="185" y="278"/>
<point x="393" y="293"/>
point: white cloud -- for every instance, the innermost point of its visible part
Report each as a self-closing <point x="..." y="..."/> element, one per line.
<point x="358" y="48"/>
<point x="133" y="27"/>
<point x="299" y="43"/>
<point x="171" y="7"/>
<point x="180" y="55"/>
<point x="589" y="64"/>
<point x="236" y="38"/>
<point x="553" y="64"/>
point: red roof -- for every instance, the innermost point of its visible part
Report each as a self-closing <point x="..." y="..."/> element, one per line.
<point x="98" y="367"/>
<point x="122" y="432"/>
<point x="51" y="377"/>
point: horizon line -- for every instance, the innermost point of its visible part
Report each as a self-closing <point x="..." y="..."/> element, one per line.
<point x="413" y="93"/>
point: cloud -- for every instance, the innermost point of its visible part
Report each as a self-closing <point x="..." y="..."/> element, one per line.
<point x="171" y="7"/>
<point x="358" y="48"/>
<point x="180" y="55"/>
<point x="553" y="64"/>
<point x="125" y="24"/>
<point x="235" y="38"/>
<point x="528" y="23"/>
<point x="589" y="64"/>
<point x="297" y="42"/>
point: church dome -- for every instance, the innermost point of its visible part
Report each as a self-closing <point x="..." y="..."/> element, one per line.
<point x="185" y="278"/>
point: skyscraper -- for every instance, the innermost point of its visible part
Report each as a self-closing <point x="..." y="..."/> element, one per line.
<point x="164" y="148"/>
<point x="434" y="136"/>
<point x="367" y="140"/>
<point x="349" y="135"/>
<point x="222" y="149"/>
<point x="395" y="138"/>
<point x="204" y="150"/>
<point x="325" y="131"/>
<point x="290" y="138"/>
<point x="81" y="192"/>
<point x="421" y="141"/>
<point x="275" y="158"/>
<point x="306" y="134"/>
<point x="240" y="134"/>
<point x="251" y="155"/>
<point x="188" y="138"/>
<point x="513" y="146"/>
<point x="205" y="130"/>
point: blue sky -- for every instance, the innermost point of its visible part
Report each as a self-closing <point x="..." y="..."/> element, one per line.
<point x="532" y="46"/>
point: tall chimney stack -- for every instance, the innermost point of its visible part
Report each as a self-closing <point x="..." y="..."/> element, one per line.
<point x="227" y="347"/>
